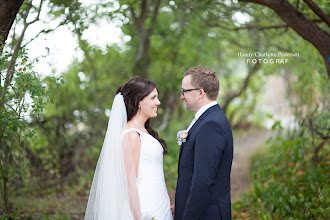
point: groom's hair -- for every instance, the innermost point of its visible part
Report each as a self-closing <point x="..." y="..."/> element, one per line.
<point x="206" y="79"/>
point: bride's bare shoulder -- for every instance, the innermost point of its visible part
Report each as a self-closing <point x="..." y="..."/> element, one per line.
<point x="132" y="137"/>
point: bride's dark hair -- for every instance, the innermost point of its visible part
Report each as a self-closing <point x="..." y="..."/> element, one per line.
<point x="133" y="91"/>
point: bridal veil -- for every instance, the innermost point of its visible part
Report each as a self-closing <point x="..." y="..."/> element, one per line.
<point x="113" y="193"/>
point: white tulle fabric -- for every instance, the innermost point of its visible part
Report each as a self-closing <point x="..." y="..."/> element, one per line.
<point x="113" y="194"/>
<point x="117" y="192"/>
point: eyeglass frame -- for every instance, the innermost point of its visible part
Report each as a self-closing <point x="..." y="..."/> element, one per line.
<point x="188" y="90"/>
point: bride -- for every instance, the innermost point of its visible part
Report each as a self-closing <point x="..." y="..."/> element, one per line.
<point x="129" y="179"/>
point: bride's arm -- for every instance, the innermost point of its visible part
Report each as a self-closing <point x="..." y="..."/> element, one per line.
<point x="131" y="150"/>
<point x="134" y="144"/>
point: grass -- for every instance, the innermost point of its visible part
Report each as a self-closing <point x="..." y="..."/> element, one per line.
<point x="49" y="207"/>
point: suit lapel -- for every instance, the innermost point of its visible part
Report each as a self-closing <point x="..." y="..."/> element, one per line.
<point x="208" y="111"/>
<point x="194" y="126"/>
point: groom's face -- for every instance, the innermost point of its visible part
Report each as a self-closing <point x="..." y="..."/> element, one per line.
<point x="190" y="97"/>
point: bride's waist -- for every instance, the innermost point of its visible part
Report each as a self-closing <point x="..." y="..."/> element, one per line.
<point x="145" y="180"/>
<point x="150" y="183"/>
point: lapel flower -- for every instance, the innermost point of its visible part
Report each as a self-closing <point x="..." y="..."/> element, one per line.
<point x="181" y="136"/>
<point x="147" y="217"/>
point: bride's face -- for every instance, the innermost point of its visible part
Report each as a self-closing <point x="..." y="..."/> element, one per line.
<point x="148" y="105"/>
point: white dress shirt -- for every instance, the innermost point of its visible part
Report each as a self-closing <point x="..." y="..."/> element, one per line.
<point x="200" y="112"/>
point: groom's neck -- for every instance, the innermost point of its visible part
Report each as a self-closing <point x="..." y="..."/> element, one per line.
<point x="204" y="102"/>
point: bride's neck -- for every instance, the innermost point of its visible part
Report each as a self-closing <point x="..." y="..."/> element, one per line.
<point x="137" y="122"/>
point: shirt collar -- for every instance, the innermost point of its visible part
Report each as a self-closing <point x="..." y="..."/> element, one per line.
<point x="204" y="108"/>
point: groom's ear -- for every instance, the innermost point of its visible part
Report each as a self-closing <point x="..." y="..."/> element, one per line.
<point x="202" y="93"/>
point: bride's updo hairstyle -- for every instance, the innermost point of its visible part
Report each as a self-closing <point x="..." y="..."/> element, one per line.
<point x="134" y="91"/>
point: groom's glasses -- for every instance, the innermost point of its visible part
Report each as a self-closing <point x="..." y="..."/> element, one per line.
<point x="187" y="90"/>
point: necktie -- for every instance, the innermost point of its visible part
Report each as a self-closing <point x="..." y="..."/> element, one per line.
<point x="191" y="124"/>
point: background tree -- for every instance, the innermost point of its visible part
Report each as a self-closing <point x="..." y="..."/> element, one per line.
<point x="143" y="16"/>
<point x="303" y="22"/>
<point x="23" y="94"/>
<point x="8" y="12"/>
<point x="174" y="35"/>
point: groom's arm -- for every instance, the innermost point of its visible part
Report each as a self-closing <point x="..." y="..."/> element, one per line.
<point x="209" y="145"/>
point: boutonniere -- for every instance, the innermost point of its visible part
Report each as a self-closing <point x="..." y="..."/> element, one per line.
<point x="181" y="136"/>
<point x="147" y="217"/>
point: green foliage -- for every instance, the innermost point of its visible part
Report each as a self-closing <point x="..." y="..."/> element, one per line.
<point x="290" y="179"/>
<point x="72" y="128"/>
<point x="68" y="132"/>
<point x="26" y="94"/>
<point x="44" y="216"/>
<point x="22" y="93"/>
<point x="286" y="184"/>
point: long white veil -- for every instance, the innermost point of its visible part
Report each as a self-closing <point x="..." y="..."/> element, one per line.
<point x="114" y="194"/>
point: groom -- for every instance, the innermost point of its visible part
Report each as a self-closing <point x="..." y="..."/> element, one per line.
<point x="203" y="187"/>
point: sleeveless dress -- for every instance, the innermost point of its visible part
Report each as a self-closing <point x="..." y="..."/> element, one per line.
<point x="150" y="181"/>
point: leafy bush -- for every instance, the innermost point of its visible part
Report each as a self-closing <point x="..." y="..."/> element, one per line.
<point x="287" y="183"/>
<point x="23" y="94"/>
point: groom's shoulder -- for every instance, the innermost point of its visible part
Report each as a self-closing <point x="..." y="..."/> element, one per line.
<point x="210" y="110"/>
<point x="214" y="112"/>
<point x="216" y="115"/>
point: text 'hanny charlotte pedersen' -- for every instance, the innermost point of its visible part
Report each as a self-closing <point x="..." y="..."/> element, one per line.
<point x="267" y="57"/>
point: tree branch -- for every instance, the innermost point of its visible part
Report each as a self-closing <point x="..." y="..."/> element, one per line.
<point x="37" y="18"/>
<point x="244" y="85"/>
<point x="315" y="8"/>
<point x="26" y="13"/>
<point x="8" y="12"/>
<point x="10" y="86"/>
<point x="154" y="16"/>
<point x="11" y="108"/>
<point x="305" y="27"/>
<point x="45" y="32"/>
<point x="144" y="10"/>
<point x="131" y="9"/>
<point x="251" y="27"/>
<point x="12" y="43"/>
<point x="10" y="69"/>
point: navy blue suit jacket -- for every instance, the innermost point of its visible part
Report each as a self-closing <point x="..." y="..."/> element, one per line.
<point x="203" y="187"/>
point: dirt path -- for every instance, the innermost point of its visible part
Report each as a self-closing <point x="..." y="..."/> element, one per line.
<point x="246" y="143"/>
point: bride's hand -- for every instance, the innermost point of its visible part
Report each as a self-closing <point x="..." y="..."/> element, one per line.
<point x="172" y="210"/>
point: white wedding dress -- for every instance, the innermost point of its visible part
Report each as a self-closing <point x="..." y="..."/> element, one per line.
<point x="153" y="197"/>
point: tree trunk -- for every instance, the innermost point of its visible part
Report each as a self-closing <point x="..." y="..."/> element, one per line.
<point x="4" y="165"/>
<point x="10" y="68"/>
<point x="148" y="10"/>
<point x="302" y="25"/>
<point x="143" y="58"/>
<point x="8" y="12"/>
